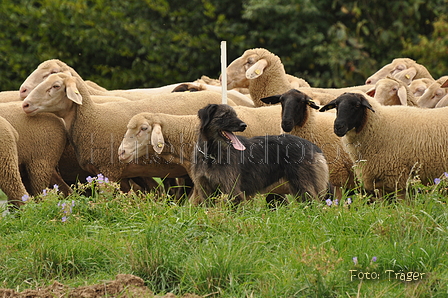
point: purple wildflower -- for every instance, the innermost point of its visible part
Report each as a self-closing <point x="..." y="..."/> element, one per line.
<point x="329" y="202"/>
<point x="374" y="259"/>
<point x="349" y="201"/>
<point x="89" y="179"/>
<point x="355" y="260"/>
<point x="436" y="180"/>
<point x="64" y="219"/>
<point x="336" y="202"/>
<point x="56" y="187"/>
<point x="445" y="174"/>
<point x="44" y="192"/>
<point x="25" y="198"/>
<point x="100" y="178"/>
<point x="106" y="180"/>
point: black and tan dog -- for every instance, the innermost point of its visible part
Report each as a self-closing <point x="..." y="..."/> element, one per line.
<point x="241" y="167"/>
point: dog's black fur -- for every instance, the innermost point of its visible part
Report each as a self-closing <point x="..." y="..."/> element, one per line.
<point x="220" y="164"/>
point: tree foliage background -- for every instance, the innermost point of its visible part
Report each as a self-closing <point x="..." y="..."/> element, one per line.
<point x="149" y="43"/>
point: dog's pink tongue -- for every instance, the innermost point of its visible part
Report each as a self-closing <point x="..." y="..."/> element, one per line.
<point x="235" y="142"/>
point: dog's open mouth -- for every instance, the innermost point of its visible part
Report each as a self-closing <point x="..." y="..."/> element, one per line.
<point x="233" y="140"/>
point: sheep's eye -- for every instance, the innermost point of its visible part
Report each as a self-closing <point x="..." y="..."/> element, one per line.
<point x="401" y="67"/>
<point x="250" y="61"/>
<point x="394" y="89"/>
<point x="56" y="86"/>
<point x="144" y="128"/>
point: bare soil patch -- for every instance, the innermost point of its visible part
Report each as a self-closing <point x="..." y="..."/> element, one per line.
<point x="124" y="286"/>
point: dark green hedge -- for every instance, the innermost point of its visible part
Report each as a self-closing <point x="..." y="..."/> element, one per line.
<point x="130" y="44"/>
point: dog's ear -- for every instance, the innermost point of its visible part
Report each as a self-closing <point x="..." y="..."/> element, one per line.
<point x="272" y="99"/>
<point x="206" y="114"/>
<point x="157" y="140"/>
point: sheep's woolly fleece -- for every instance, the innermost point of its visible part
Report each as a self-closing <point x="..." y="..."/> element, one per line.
<point x="10" y="180"/>
<point x="93" y="125"/>
<point x="397" y="143"/>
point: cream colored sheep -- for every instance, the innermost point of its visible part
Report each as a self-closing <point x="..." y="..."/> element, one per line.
<point x="265" y="75"/>
<point x="397" y="65"/>
<point x="391" y="144"/>
<point x="419" y="86"/>
<point x="391" y="91"/>
<point x="10" y="180"/>
<point x="261" y="71"/>
<point x="434" y="93"/>
<point x="406" y="76"/>
<point x="297" y="82"/>
<point x="442" y="102"/>
<point x="236" y="96"/>
<point x="56" y="66"/>
<point x="41" y="142"/>
<point x="217" y="82"/>
<point x="300" y="118"/>
<point x="96" y="130"/>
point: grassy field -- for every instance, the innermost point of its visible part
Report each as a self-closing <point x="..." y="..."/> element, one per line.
<point x="349" y="248"/>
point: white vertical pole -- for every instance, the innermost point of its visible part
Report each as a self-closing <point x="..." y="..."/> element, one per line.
<point x="224" y="71"/>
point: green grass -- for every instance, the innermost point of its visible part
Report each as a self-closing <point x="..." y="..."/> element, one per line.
<point x="299" y="250"/>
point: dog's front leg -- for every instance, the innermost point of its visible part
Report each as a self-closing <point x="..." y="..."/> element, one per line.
<point x="236" y="196"/>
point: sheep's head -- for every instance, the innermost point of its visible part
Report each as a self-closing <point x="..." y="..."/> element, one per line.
<point x="418" y="86"/>
<point x="143" y="130"/>
<point x="249" y="66"/>
<point x="434" y="93"/>
<point x="55" y="94"/>
<point x="351" y="112"/>
<point x="294" y="108"/>
<point x="389" y="91"/>
<point x="397" y="65"/>
<point x="41" y="73"/>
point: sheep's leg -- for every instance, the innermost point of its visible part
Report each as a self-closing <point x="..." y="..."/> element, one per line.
<point x="39" y="175"/>
<point x="13" y="186"/>
<point x="57" y="179"/>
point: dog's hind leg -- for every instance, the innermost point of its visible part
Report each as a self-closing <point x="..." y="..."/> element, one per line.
<point x="273" y="200"/>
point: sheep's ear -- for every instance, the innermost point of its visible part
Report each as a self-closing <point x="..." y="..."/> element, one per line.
<point x="271" y="99"/>
<point x="312" y="104"/>
<point x="408" y="75"/>
<point x="72" y="91"/>
<point x="331" y="105"/>
<point x="206" y="114"/>
<point x="371" y="92"/>
<point x="257" y="69"/>
<point x="157" y="140"/>
<point x="366" y="104"/>
<point x="402" y="95"/>
<point x="445" y="84"/>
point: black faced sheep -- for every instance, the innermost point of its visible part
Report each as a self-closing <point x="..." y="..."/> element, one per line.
<point x="391" y="144"/>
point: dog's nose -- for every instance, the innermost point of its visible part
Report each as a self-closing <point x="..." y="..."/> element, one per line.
<point x="243" y="125"/>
